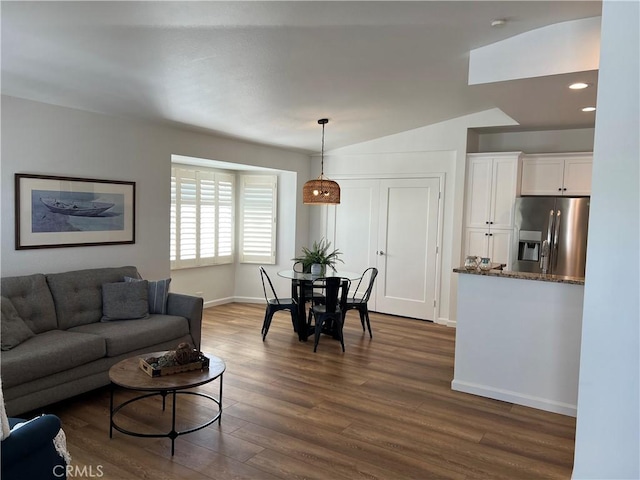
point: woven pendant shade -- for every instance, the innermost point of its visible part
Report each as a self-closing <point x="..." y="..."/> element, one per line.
<point x="321" y="191"/>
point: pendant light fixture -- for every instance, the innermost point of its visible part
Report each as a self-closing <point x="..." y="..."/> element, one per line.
<point x="321" y="191"/>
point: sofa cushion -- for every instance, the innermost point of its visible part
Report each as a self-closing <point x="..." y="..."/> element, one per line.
<point x="14" y="331"/>
<point x="124" y="336"/>
<point x="32" y="299"/>
<point x="125" y="301"/>
<point x="78" y="294"/>
<point x="158" y="294"/>
<point x="48" y="353"/>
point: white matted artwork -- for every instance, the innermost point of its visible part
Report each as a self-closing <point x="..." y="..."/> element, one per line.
<point x="70" y="212"/>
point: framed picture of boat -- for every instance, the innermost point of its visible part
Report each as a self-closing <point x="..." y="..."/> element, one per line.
<point x="72" y="212"/>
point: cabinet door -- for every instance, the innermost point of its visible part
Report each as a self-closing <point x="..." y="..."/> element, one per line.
<point x="542" y="176"/>
<point x="476" y="242"/>
<point x="478" y="207"/>
<point x="500" y="242"/>
<point x="503" y="192"/>
<point x="577" y="176"/>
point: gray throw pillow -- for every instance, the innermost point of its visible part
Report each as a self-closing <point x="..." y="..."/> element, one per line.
<point x="125" y="301"/>
<point x="14" y="330"/>
<point x="158" y="294"/>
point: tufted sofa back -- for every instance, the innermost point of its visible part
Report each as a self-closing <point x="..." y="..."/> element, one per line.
<point x="32" y="299"/>
<point x="78" y="294"/>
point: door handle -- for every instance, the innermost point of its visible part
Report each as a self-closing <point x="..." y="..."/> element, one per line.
<point x="380" y="252"/>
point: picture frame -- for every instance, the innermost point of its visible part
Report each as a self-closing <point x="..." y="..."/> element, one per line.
<point x="54" y="212"/>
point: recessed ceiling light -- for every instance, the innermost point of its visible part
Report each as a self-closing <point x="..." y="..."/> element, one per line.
<point x="589" y="109"/>
<point x="578" y="86"/>
<point x="498" y="22"/>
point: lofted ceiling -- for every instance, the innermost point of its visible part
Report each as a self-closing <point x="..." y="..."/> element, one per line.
<point x="266" y="71"/>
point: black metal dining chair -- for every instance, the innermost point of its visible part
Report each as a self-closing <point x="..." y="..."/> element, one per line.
<point x="275" y="304"/>
<point x="360" y="298"/>
<point x="308" y="294"/>
<point x="328" y="317"/>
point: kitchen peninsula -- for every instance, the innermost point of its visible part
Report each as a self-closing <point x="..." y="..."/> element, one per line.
<point x="518" y="338"/>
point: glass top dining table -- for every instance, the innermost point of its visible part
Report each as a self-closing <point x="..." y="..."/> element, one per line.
<point x="298" y="281"/>
<point x="293" y="275"/>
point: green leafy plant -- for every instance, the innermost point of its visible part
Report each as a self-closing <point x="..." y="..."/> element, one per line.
<point x="319" y="253"/>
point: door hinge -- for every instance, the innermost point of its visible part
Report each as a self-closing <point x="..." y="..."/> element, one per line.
<point x="434" y="303"/>
<point x="437" y="249"/>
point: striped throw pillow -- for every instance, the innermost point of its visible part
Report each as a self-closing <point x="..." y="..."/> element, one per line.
<point x="158" y="294"/>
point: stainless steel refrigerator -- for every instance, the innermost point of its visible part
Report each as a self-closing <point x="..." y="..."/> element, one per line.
<point x="551" y="235"/>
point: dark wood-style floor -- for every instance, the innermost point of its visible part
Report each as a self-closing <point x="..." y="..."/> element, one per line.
<point x="382" y="410"/>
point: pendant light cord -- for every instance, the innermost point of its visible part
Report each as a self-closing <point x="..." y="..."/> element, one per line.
<point x="322" y="155"/>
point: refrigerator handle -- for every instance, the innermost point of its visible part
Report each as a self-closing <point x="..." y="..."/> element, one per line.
<point x="547" y="245"/>
<point x="550" y="227"/>
<point x="544" y="256"/>
<point x="556" y="239"/>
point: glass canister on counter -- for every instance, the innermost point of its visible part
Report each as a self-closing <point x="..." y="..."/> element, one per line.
<point x="471" y="262"/>
<point x="485" y="263"/>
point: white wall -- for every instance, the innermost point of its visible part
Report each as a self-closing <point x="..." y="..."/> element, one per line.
<point x="46" y="139"/>
<point x="546" y="141"/>
<point x="608" y="425"/>
<point x="439" y="148"/>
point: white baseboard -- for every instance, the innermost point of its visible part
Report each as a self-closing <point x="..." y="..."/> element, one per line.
<point x="515" y="397"/>
<point x="222" y="301"/>
<point x="445" y="321"/>
<point x="250" y="300"/>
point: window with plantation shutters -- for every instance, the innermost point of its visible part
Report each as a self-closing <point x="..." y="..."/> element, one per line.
<point x="258" y="219"/>
<point x="202" y="218"/>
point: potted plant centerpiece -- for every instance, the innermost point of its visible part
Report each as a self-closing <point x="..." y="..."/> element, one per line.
<point x="315" y="259"/>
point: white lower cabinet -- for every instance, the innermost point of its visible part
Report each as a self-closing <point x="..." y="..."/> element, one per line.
<point x="495" y="244"/>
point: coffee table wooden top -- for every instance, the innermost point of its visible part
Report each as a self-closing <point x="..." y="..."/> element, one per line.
<point x="128" y="374"/>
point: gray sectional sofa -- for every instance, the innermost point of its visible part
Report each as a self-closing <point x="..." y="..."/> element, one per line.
<point x="71" y="350"/>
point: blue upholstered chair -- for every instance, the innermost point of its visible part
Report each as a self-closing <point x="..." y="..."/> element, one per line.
<point x="28" y="452"/>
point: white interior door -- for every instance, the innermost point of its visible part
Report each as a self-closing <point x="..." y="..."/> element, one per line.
<point x="398" y="217"/>
<point x="352" y="226"/>
<point x="407" y="247"/>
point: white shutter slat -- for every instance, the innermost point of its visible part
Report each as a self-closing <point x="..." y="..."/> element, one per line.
<point x="225" y="185"/>
<point x="207" y="217"/>
<point x="257" y="243"/>
<point x="187" y="222"/>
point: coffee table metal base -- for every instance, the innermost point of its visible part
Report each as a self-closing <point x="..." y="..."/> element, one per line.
<point x="173" y="434"/>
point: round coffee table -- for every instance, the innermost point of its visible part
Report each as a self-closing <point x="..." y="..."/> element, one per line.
<point x="128" y="374"/>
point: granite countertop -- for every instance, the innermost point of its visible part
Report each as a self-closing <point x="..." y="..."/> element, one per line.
<point x="542" y="277"/>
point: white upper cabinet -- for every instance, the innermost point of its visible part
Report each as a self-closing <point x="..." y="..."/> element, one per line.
<point x="492" y="186"/>
<point x="566" y="174"/>
<point x="577" y="175"/>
